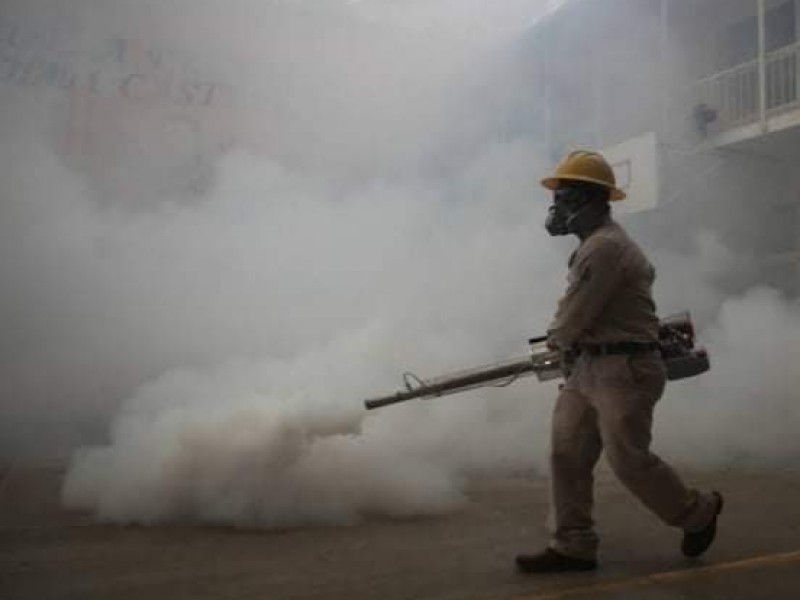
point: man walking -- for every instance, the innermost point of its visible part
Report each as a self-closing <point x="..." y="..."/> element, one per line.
<point x="607" y="321"/>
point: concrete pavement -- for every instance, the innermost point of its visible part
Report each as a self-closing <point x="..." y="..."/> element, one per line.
<point x="46" y="553"/>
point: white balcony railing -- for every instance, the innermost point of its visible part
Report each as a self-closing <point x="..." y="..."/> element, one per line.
<point x="734" y="94"/>
<point x="781" y="78"/>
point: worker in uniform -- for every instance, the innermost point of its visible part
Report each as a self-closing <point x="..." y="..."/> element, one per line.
<point x="607" y="330"/>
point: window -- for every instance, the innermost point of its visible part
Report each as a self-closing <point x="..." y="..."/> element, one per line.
<point x="740" y="40"/>
<point x="741" y="43"/>
<point x="780" y="26"/>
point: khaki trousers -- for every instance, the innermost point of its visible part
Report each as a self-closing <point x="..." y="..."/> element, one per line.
<point x="607" y="404"/>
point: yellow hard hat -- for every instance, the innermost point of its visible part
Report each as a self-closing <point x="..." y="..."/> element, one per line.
<point x="583" y="165"/>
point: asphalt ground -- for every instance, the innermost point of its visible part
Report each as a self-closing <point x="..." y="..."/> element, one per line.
<point x="47" y="553"/>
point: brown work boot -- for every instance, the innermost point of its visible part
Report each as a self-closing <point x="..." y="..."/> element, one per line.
<point x="551" y="561"/>
<point x="697" y="542"/>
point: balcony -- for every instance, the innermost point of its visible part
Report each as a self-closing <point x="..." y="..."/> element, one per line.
<point x="734" y="105"/>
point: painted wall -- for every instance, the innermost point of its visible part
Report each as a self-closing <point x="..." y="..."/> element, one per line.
<point x="124" y="109"/>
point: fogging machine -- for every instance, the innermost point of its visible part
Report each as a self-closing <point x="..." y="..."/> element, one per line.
<point x="676" y="336"/>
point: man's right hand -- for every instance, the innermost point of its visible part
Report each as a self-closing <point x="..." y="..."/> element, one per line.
<point x="551" y="343"/>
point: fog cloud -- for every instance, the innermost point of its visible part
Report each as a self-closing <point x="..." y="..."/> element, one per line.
<point x="203" y="305"/>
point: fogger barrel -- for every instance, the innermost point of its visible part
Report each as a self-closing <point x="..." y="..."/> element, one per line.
<point x="458" y="382"/>
<point x="542" y="361"/>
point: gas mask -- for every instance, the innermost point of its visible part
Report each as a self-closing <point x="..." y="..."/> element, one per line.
<point x="565" y="214"/>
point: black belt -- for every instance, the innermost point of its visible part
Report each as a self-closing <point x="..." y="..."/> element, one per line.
<point x="618" y="348"/>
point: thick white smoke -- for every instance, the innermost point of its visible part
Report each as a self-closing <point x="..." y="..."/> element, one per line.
<point x="276" y="442"/>
<point x="390" y="221"/>
<point x="130" y="250"/>
<point x="745" y="411"/>
<point x="351" y="291"/>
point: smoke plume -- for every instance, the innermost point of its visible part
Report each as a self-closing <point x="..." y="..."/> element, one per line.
<point x="236" y="225"/>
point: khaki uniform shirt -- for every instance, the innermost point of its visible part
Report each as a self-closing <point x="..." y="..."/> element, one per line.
<point x="608" y="298"/>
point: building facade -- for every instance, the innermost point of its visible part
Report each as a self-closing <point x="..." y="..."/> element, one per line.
<point x="716" y="85"/>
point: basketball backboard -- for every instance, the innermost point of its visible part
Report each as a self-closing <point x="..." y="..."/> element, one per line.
<point x="636" y="167"/>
